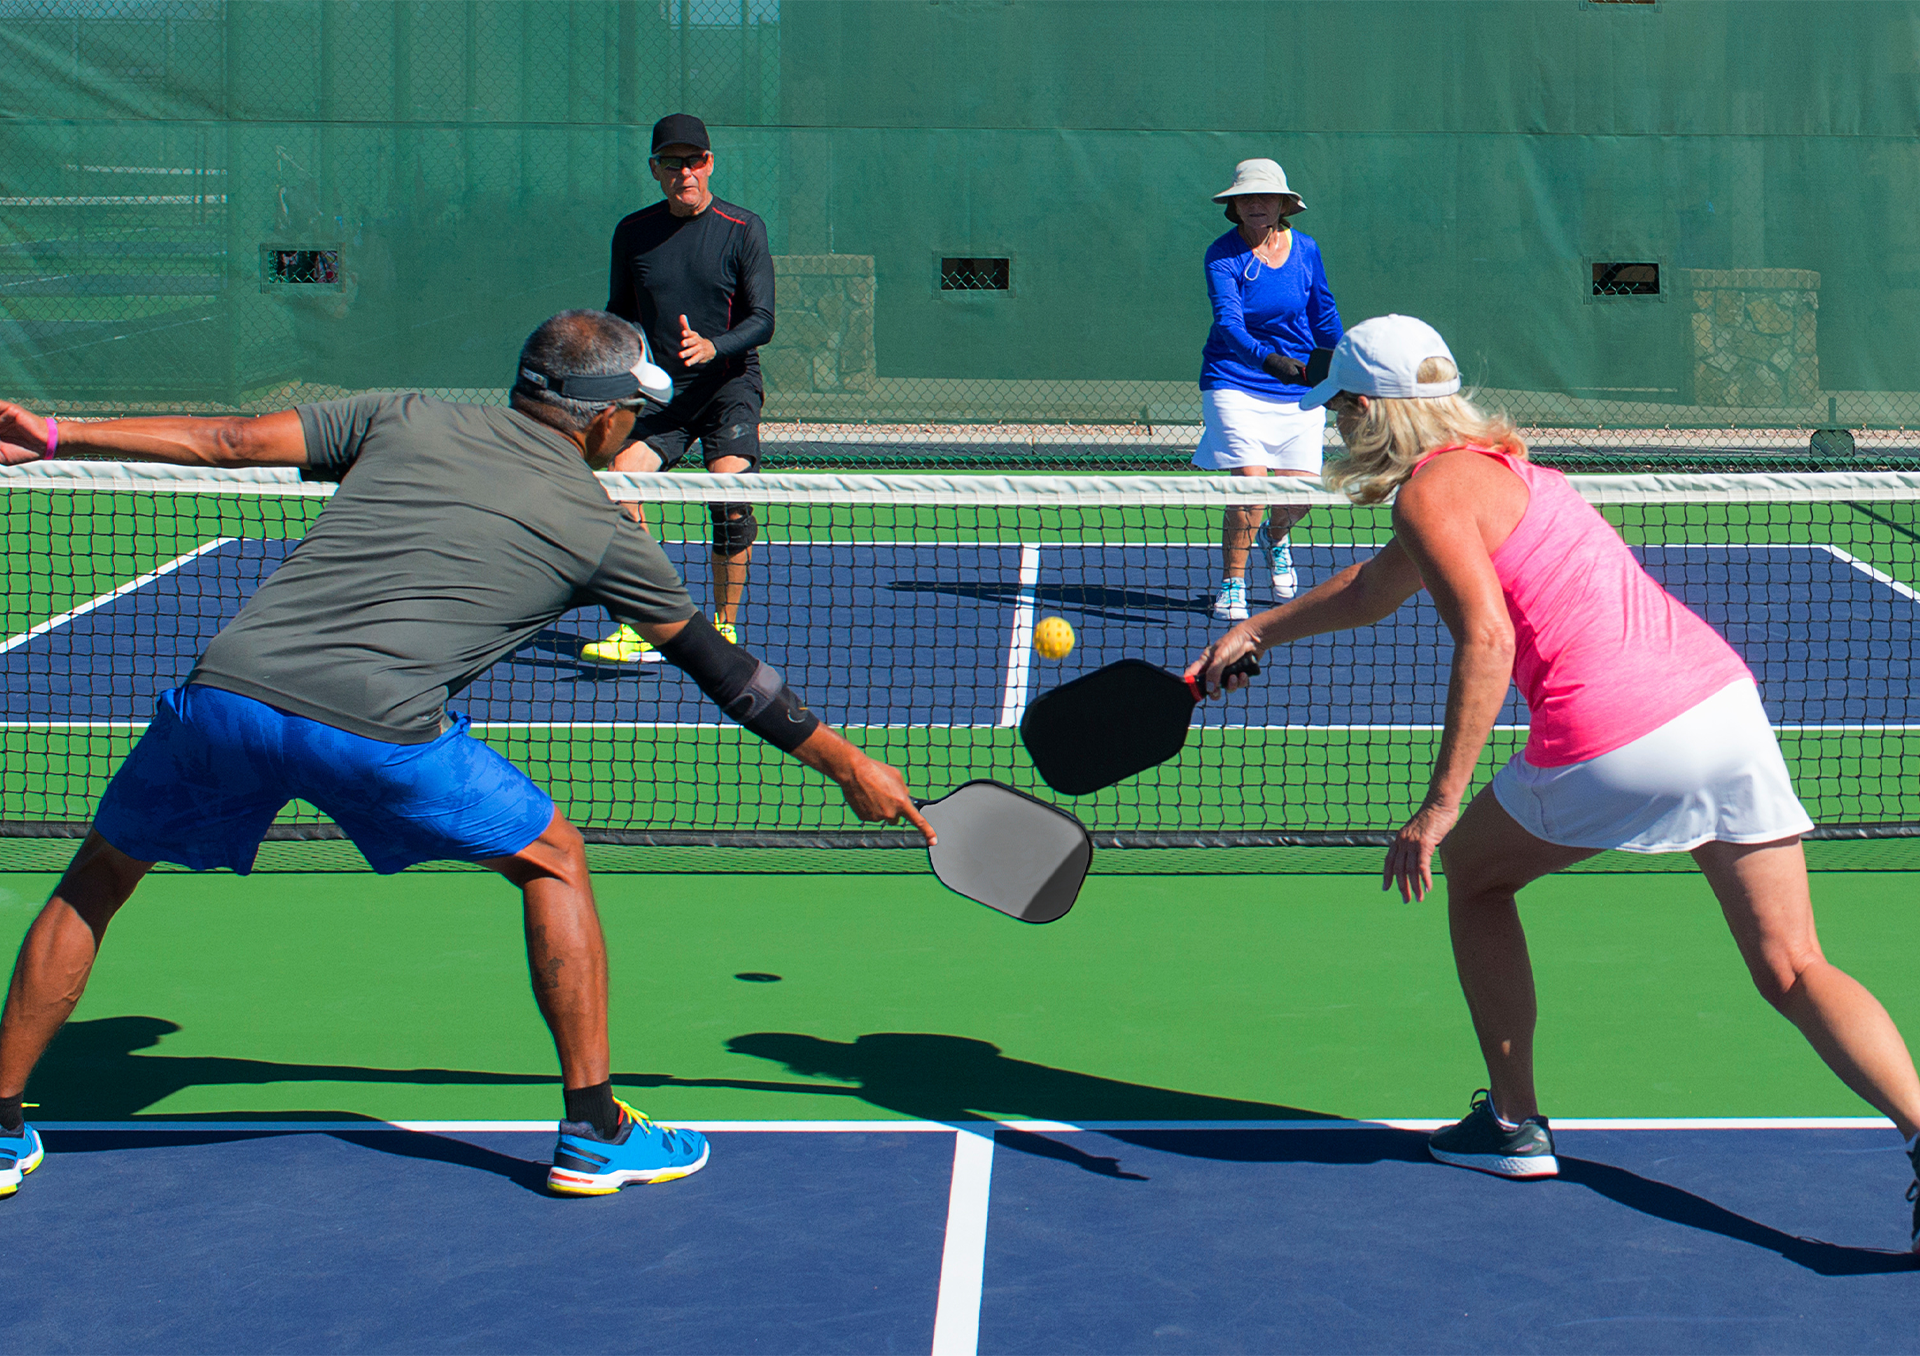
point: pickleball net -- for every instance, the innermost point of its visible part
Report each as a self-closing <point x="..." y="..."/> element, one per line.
<point x="902" y="608"/>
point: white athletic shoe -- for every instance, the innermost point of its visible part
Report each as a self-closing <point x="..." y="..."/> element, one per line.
<point x="1285" y="582"/>
<point x="1231" y="605"/>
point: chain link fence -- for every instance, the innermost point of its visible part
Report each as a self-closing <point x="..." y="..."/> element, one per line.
<point x="988" y="218"/>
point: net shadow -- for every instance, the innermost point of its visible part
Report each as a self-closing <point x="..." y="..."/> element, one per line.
<point x="1091" y="600"/>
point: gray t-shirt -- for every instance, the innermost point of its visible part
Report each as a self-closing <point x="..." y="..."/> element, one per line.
<point x="457" y="533"/>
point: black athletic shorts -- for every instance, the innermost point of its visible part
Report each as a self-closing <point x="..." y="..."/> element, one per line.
<point x="727" y="425"/>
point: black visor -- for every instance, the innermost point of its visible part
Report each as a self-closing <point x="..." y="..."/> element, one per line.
<point x="605" y="388"/>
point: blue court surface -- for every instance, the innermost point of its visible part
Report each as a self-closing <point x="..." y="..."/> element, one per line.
<point x="936" y="634"/>
<point x="909" y="1237"/>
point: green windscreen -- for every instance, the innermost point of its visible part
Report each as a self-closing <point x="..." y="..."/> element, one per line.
<point x="1689" y="220"/>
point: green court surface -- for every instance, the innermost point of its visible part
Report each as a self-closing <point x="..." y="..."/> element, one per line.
<point x="1160" y="998"/>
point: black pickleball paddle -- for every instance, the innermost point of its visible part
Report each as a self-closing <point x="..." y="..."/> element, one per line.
<point x="1002" y="848"/>
<point x="1112" y="724"/>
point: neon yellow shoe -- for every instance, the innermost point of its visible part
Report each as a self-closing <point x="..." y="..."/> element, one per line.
<point x="624" y="646"/>
<point x="726" y="630"/>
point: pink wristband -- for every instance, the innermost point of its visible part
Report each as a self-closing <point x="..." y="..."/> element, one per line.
<point x="53" y="439"/>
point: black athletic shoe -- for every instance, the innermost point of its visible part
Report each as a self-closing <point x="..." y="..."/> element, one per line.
<point x="1913" y="1194"/>
<point x="1480" y="1142"/>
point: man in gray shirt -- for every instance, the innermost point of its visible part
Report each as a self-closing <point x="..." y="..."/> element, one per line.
<point x="457" y="533"/>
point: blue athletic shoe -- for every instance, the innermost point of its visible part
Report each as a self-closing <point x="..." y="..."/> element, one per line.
<point x="586" y="1165"/>
<point x="20" y="1154"/>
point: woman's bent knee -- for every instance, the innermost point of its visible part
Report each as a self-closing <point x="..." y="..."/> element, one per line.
<point x="1776" y="976"/>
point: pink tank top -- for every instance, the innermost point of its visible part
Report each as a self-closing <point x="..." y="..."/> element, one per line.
<point x="1602" y="654"/>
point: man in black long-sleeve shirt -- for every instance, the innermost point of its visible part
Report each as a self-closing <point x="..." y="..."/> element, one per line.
<point x="695" y="273"/>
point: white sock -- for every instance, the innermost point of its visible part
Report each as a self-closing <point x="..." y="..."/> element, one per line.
<point x="1503" y="1122"/>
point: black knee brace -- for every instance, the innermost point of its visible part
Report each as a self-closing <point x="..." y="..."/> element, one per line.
<point x="734" y="528"/>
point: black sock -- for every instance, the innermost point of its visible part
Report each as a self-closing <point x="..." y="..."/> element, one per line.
<point x="11" y="1116"/>
<point x="595" y="1106"/>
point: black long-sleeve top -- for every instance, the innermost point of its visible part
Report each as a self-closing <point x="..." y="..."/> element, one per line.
<point x="716" y="270"/>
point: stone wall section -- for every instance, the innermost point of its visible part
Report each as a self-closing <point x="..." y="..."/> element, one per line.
<point x="1754" y="336"/>
<point x="823" y="324"/>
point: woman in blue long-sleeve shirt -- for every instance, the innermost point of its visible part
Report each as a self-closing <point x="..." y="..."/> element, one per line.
<point x="1271" y="309"/>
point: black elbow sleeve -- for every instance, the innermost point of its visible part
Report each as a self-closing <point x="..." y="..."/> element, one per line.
<point x="744" y="686"/>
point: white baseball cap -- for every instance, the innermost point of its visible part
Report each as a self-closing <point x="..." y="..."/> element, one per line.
<point x="1382" y="357"/>
<point x="1261" y="176"/>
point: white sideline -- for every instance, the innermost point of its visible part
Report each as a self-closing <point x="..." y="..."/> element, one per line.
<point x="1013" y="700"/>
<point x="168" y="1125"/>
<point x="52" y="623"/>
<point x="1878" y="576"/>
<point x="963" y="1258"/>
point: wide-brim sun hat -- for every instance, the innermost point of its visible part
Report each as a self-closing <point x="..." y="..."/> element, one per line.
<point x="1382" y="357"/>
<point x="1261" y="176"/>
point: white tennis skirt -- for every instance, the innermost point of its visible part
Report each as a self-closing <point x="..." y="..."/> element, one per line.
<point x="1243" y="429"/>
<point x="1711" y="774"/>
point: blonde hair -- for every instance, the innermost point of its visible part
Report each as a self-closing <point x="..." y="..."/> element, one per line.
<point x="1396" y="432"/>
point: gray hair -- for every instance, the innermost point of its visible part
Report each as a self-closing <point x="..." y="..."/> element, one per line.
<point x="581" y="343"/>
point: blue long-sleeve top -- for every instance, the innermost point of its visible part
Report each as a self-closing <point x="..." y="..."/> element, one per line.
<point x="1258" y="309"/>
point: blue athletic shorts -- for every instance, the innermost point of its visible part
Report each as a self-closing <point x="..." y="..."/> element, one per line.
<point x="214" y="768"/>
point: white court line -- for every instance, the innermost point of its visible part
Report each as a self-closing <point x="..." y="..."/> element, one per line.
<point x="53" y="622"/>
<point x="1020" y="657"/>
<point x="983" y="1129"/>
<point x="1877" y="576"/>
<point x="963" y="1258"/>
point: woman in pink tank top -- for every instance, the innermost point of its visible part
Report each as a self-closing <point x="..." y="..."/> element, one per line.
<point x="1646" y="730"/>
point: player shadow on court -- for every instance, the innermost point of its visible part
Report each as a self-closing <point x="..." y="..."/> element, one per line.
<point x="1091" y="600"/>
<point x="1682" y="1207"/>
<point x="95" y="1071"/>
<point x="958" y="1080"/>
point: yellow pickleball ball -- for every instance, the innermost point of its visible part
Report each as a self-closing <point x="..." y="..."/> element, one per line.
<point x="1053" y="638"/>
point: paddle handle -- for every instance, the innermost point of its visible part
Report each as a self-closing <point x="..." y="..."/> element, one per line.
<point x="1245" y="664"/>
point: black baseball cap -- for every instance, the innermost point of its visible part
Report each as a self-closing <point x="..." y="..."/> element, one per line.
<point x="680" y="129"/>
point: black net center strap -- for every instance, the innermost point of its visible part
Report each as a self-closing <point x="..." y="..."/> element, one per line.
<point x="903" y="609"/>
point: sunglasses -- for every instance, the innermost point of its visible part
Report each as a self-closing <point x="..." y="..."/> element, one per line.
<point x="676" y="163"/>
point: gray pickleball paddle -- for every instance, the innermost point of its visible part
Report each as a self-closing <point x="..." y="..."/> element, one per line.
<point x="1002" y="848"/>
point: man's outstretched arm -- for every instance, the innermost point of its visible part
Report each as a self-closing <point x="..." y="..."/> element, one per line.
<point x="753" y="694"/>
<point x="269" y="440"/>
